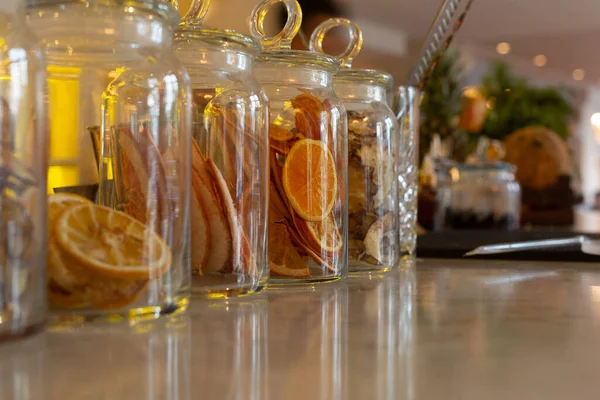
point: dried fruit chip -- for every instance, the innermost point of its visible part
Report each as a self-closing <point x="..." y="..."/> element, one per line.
<point x="281" y="134"/>
<point x="307" y="115"/>
<point x="144" y="179"/>
<point x="242" y="259"/>
<point x="310" y="180"/>
<point x="322" y="236"/>
<point x="110" y="244"/>
<point x="220" y="236"/>
<point x="284" y="260"/>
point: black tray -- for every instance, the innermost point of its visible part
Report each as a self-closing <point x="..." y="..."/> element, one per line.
<point x="454" y="244"/>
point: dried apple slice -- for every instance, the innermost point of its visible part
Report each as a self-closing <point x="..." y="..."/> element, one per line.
<point x="201" y="240"/>
<point x="144" y="180"/>
<point x="156" y="170"/>
<point x="220" y="236"/>
<point x="242" y="259"/>
<point x="200" y="236"/>
<point x="199" y="163"/>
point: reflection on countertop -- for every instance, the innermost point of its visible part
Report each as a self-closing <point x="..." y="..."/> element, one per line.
<point x="444" y="329"/>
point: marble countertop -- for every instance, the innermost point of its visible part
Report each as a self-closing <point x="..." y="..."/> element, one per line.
<point x="442" y="330"/>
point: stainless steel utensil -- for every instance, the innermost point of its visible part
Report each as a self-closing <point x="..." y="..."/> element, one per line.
<point x="530" y="245"/>
<point x="447" y="22"/>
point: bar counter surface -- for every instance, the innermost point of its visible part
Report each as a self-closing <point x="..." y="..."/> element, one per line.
<point x="445" y="329"/>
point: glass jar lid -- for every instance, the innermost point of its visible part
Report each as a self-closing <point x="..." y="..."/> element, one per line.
<point x="277" y="48"/>
<point x="347" y="73"/>
<point x="192" y="31"/>
<point x="158" y="7"/>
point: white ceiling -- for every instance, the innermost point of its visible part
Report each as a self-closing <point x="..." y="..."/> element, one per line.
<point x="566" y="31"/>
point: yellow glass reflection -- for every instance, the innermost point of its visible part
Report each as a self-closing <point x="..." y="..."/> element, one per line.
<point x="61" y="176"/>
<point x="63" y="95"/>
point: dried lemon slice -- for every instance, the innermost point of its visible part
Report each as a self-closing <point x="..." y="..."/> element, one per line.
<point x="59" y="276"/>
<point x="110" y="243"/>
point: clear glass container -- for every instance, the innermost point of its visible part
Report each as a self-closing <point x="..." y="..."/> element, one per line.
<point x="23" y="164"/>
<point x="120" y="163"/>
<point x="230" y="178"/>
<point x="373" y="242"/>
<point x="477" y="196"/>
<point x="406" y="108"/>
<point x="308" y="156"/>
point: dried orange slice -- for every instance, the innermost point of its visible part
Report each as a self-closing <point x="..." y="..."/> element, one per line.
<point x="278" y="133"/>
<point x="321" y="236"/>
<point x="110" y="244"/>
<point x="284" y="260"/>
<point x="307" y="115"/>
<point x="309" y="179"/>
<point x="59" y="276"/>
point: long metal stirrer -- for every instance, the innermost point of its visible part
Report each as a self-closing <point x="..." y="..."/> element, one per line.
<point x="531" y="245"/>
<point x="447" y="22"/>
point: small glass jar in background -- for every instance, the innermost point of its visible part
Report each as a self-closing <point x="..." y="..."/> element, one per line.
<point x="23" y="164"/>
<point x="119" y="158"/>
<point x="230" y="178"/>
<point x="477" y="197"/>
<point x="308" y="156"/>
<point x="372" y="156"/>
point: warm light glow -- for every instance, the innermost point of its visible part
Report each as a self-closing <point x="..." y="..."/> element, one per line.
<point x="503" y="48"/>
<point x="578" y="74"/>
<point x="596" y="120"/>
<point x="471" y="92"/>
<point x="540" y="60"/>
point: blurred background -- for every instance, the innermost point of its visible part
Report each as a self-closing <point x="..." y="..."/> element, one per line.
<point x="513" y="65"/>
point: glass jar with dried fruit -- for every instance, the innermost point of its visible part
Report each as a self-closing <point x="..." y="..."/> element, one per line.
<point x="23" y="163"/>
<point x="230" y="171"/>
<point x="308" y="156"/>
<point x="120" y="163"/>
<point x="372" y="156"/>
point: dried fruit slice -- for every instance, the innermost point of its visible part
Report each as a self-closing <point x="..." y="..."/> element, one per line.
<point x="303" y="248"/>
<point x="307" y="115"/>
<point x="110" y="244"/>
<point x="321" y="236"/>
<point x="200" y="244"/>
<point x="276" y="203"/>
<point x="143" y="179"/>
<point x="61" y="281"/>
<point x="381" y="240"/>
<point x="284" y="260"/>
<point x="310" y="180"/>
<point x="220" y="237"/>
<point x="71" y="287"/>
<point x="242" y="259"/>
<point x="278" y="133"/>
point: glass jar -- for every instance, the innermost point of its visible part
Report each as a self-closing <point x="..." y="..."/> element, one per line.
<point x="308" y="156"/>
<point x="477" y="196"/>
<point x="124" y="252"/>
<point x="408" y="100"/>
<point x="23" y="163"/>
<point x="372" y="156"/>
<point x="230" y="159"/>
